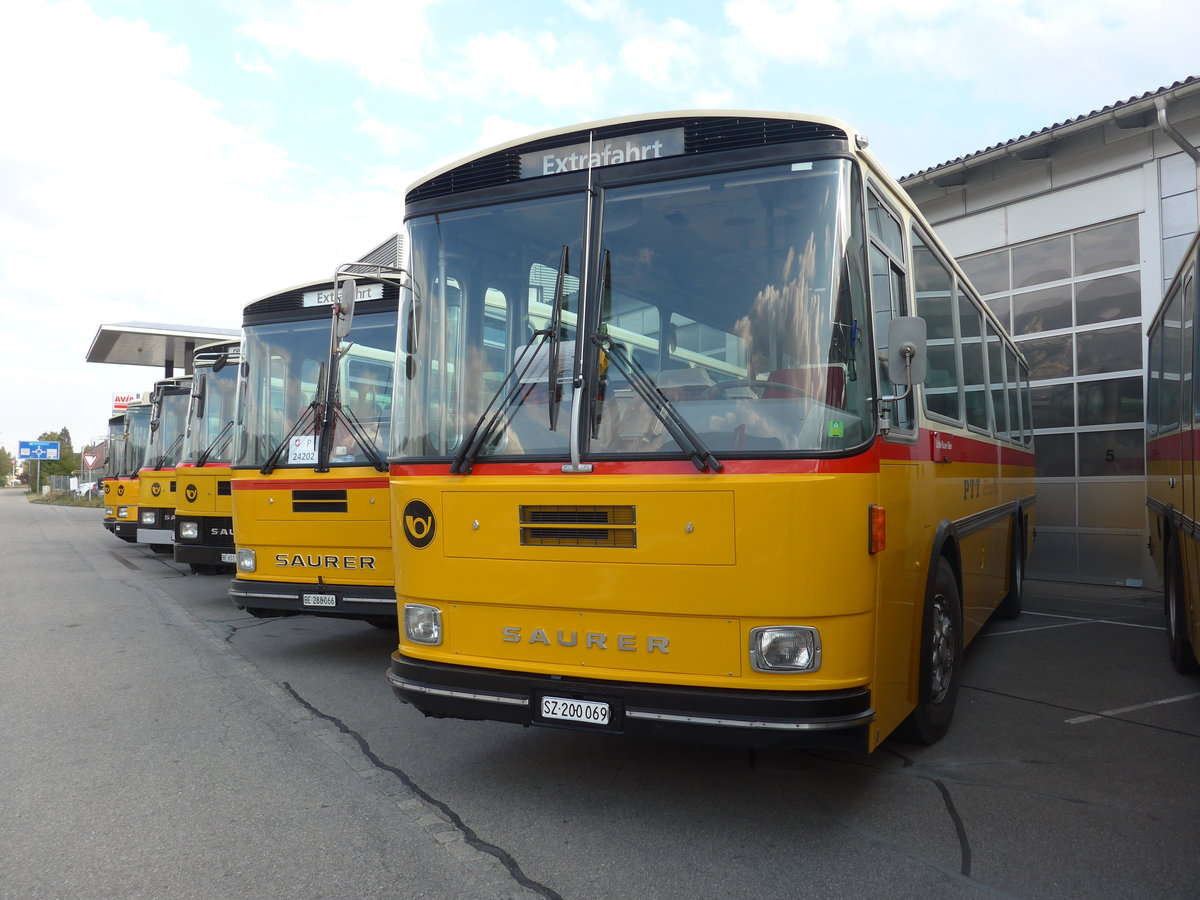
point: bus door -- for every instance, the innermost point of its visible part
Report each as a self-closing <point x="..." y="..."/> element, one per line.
<point x="903" y="560"/>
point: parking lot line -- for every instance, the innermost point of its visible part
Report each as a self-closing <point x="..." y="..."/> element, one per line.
<point x="1070" y="622"/>
<point x="1124" y="709"/>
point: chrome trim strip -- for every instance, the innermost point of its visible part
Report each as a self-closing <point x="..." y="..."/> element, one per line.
<point x="272" y="596"/>
<point x="980" y="520"/>
<point x="461" y="695"/>
<point x="827" y="725"/>
<point x="362" y="599"/>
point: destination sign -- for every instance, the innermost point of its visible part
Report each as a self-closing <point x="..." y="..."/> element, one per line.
<point x="609" y="152"/>
<point x="370" y="291"/>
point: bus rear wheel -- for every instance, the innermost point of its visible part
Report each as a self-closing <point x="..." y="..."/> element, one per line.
<point x="1183" y="658"/>
<point x="1010" y="607"/>
<point x="940" y="661"/>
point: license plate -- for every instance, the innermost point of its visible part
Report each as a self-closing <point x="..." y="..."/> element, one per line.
<point x="228" y="557"/>
<point x="563" y="709"/>
<point x="319" y="600"/>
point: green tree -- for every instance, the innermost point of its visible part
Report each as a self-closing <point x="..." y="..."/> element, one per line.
<point x="6" y="465"/>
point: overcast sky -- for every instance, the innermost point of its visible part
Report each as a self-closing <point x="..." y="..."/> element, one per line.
<point x="170" y="162"/>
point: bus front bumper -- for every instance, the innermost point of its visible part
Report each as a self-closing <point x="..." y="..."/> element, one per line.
<point x="737" y="718"/>
<point x="342" y="601"/>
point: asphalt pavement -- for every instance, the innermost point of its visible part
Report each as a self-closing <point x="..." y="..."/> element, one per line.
<point x="141" y="756"/>
<point x="156" y="742"/>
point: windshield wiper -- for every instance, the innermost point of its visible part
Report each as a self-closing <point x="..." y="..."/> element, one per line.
<point x="552" y="385"/>
<point x="273" y="460"/>
<point x="506" y="393"/>
<point x="169" y="452"/>
<point x="359" y="434"/>
<point x="665" y="411"/>
<point x="208" y="451"/>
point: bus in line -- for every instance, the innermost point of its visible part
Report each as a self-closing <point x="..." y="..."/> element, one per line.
<point x="1172" y="432"/>
<point x="129" y="435"/>
<point x="204" y="505"/>
<point x="311" y="521"/>
<point x="701" y="434"/>
<point x="157" y="479"/>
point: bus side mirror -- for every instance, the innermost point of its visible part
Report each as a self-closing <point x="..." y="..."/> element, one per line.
<point x="345" y="306"/>
<point x="907" y="350"/>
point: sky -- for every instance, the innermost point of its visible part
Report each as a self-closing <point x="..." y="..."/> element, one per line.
<point x="172" y="162"/>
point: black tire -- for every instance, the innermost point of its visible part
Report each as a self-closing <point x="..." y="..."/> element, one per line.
<point x="940" y="662"/>
<point x="1183" y="657"/>
<point x="1014" y="601"/>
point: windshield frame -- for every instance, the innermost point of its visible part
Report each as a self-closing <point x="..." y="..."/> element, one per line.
<point x="849" y="215"/>
<point x="279" y="344"/>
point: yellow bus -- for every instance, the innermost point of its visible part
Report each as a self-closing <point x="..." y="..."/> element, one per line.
<point x="129" y="435"/>
<point x="204" y="505"/>
<point x="156" y="479"/>
<point x="310" y="476"/>
<point x="655" y="466"/>
<point x="1172" y="432"/>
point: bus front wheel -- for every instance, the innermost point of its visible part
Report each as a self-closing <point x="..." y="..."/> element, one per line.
<point x="940" y="661"/>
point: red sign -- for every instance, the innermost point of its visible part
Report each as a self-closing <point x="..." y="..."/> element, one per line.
<point x="121" y="402"/>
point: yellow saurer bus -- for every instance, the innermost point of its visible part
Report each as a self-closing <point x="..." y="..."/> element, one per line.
<point x="129" y="435"/>
<point x="1172" y="433"/>
<point x="204" y="505"/>
<point x="310" y="476"/>
<point x="157" y="482"/>
<point x="702" y="434"/>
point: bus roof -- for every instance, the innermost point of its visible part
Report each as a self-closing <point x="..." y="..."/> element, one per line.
<point x="648" y="117"/>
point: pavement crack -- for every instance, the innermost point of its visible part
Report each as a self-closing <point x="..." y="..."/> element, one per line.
<point x="469" y="836"/>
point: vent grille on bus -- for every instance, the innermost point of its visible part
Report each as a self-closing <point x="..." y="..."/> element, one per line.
<point x="703" y="135"/>
<point x="319" y="501"/>
<point x="223" y="489"/>
<point x="289" y="301"/>
<point x="579" y="526"/>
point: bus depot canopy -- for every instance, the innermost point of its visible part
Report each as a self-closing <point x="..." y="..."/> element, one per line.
<point x="152" y="344"/>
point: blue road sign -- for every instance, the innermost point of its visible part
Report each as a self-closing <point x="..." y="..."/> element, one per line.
<point x="37" y="450"/>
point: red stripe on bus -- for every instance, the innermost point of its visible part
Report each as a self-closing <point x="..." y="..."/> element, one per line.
<point x="961" y="449"/>
<point x="307" y="483"/>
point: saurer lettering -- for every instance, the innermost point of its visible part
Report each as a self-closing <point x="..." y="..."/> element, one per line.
<point x="318" y="561"/>
<point x="588" y="640"/>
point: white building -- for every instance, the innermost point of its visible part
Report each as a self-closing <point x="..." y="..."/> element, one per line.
<point x="1072" y="233"/>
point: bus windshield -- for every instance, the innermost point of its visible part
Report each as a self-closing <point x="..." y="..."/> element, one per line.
<point x="284" y="367"/>
<point x="210" y="417"/>
<point x="137" y="431"/>
<point x="166" y="430"/>
<point x="733" y="303"/>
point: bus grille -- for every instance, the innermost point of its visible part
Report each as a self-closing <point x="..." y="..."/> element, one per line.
<point x="319" y="501"/>
<point x="579" y="526"/>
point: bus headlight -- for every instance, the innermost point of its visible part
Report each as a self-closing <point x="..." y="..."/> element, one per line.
<point x="422" y="624"/>
<point x="149" y="517"/>
<point x="247" y="560"/>
<point x="122" y="512"/>
<point x="189" y="531"/>
<point x="785" y="648"/>
<point x="108" y="512"/>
